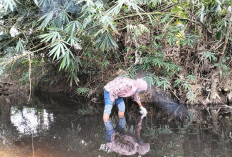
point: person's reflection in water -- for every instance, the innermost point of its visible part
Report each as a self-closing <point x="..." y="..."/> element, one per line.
<point x="125" y="143"/>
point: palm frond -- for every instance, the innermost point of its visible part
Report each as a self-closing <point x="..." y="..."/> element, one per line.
<point x="108" y="21"/>
<point x="52" y="36"/>
<point x="20" y="46"/>
<point x="46" y="19"/>
<point x="106" y="42"/>
<point x="73" y="27"/>
<point x="9" y="4"/>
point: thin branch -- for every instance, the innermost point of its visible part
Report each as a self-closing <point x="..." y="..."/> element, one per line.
<point x="8" y="43"/>
<point x="29" y="74"/>
<point x="225" y="43"/>
<point x="23" y="55"/>
<point x="226" y="37"/>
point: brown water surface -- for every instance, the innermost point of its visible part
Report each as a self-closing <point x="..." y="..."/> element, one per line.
<point x="58" y="126"/>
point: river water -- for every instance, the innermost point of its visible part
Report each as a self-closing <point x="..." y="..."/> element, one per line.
<point x="58" y="126"/>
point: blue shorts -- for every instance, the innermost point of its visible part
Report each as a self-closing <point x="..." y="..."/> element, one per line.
<point x="109" y="104"/>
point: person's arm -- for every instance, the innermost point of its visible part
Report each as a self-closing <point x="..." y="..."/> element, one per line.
<point x="139" y="103"/>
<point x="143" y="110"/>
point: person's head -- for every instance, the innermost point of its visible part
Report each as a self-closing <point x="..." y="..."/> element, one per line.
<point x="141" y="85"/>
<point x="143" y="148"/>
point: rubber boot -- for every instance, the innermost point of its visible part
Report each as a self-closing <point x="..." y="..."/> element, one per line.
<point x="109" y="130"/>
<point x="121" y="125"/>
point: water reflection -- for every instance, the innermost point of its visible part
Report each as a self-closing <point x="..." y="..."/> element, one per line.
<point x="28" y="120"/>
<point x="125" y="143"/>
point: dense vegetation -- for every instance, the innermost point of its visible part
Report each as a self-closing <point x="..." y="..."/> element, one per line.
<point x="184" y="47"/>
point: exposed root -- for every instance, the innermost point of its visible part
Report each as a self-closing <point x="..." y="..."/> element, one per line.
<point x="214" y="114"/>
<point x="214" y="96"/>
<point x="229" y="97"/>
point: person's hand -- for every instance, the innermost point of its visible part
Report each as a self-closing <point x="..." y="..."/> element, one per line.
<point x="142" y="116"/>
<point x="143" y="111"/>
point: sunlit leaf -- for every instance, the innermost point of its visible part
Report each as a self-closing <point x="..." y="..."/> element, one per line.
<point x="52" y="36"/>
<point x="20" y="46"/>
<point x="165" y="18"/>
<point x="9" y="4"/>
<point x="45" y="20"/>
<point x="108" y="21"/>
<point x="73" y="27"/>
<point x="74" y="41"/>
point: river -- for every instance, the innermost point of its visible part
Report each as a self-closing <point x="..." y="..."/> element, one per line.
<point x="59" y="126"/>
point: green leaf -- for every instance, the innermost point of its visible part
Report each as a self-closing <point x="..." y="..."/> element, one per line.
<point x="162" y="81"/>
<point x="64" y="16"/>
<point x="157" y="62"/>
<point x="171" y="39"/>
<point x="106" y="42"/>
<point x="217" y="64"/>
<point x="224" y="67"/>
<point x="52" y="36"/>
<point x="73" y="27"/>
<point x="143" y="28"/>
<point x="108" y="21"/>
<point x="20" y="46"/>
<point x="150" y="79"/>
<point x="156" y="45"/>
<point x="209" y="55"/>
<point x="105" y="63"/>
<point x="186" y="86"/>
<point x="189" y="40"/>
<point x="83" y="91"/>
<point x="66" y="61"/>
<point x="74" y="41"/>
<point x="191" y="77"/>
<point x="56" y="50"/>
<point x="159" y="37"/>
<point x="168" y="66"/>
<point x="151" y="20"/>
<point x="9" y="4"/>
<point x="61" y="52"/>
<point x="46" y="19"/>
<point x="191" y="95"/>
<point x="86" y="22"/>
<point x="178" y="82"/>
<point x="165" y="18"/>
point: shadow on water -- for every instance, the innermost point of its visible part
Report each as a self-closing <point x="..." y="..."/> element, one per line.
<point x="58" y="126"/>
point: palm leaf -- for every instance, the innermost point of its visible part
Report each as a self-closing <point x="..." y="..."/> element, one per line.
<point x="106" y="42"/>
<point x="9" y="4"/>
<point x="52" y="36"/>
<point x="46" y="19"/>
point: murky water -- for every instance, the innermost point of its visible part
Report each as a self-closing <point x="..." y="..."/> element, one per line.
<point x="56" y="126"/>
